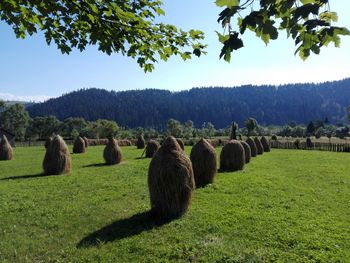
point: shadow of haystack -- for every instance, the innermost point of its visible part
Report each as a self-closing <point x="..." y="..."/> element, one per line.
<point x="26" y="176"/>
<point x="120" y="229"/>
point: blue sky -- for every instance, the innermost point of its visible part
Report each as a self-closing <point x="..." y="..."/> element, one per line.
<point x="31" y="70"/>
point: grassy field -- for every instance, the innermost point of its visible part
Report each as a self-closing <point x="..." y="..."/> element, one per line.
<point x="287" y="206"/>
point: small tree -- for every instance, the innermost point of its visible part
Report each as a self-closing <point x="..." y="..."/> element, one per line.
<point x="15" y="118"/>
<point x="208" y="129"/>
<point x="310" y="129"/>
<point x="174" y="128"/>
<point x="251" y="125"/>
<point x="188" y="129"/>
<point x="234" y="128"/>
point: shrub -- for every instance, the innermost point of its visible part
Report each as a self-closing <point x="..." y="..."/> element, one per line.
<point x="274" y="137"/>
<point x="252" y="146"/>
<point x="79" y="145"/>
<point x="297" y="144"/>
<point x="6" y="153"/>
<point x="259" y="147"/>
<point x="57" y="159"/>
<point x="232" y="157"/>
<point x="309" y="143"/>
<point x="170" y="181"/>
<point x="265" y="144"/>
<point x="112" y="153"/>
<point x="203" y="158"/>
<point x="151" y="148"/>
<point x="247" y="151"/>
<point x="140" y="143"/>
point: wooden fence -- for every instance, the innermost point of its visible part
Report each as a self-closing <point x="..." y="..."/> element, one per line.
<point x="332" y="147"/>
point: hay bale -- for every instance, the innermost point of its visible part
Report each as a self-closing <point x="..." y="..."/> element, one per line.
<point x="57" y="159"/>
<point x="86" y="141"/>
<point x="252" y="146"/>
<point x="203" y="158"/>
<point x="112" y="152"/>
<point x="140" y="143"/>
<point x="181" y="143"/>
<point x="47" y="142"/>
<point x="247" y="151"/>
<point x="79" y="145"/>
<point x="151" y="148"/>
<point x="6" y="152"/>
<point x="259" y="147"/>
<point x="232" y="157"/>
<point x="265" y="144"/>
<point x="170" y="181"/>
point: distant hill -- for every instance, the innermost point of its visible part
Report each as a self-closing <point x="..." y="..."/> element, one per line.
<point x="152" y="108"/>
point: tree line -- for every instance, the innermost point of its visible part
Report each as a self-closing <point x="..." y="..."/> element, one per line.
<point x="16" y="119"/>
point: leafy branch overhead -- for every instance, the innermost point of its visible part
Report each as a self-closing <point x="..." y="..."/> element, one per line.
<point x="125" y="26"/>
<point x="307" y="22"/>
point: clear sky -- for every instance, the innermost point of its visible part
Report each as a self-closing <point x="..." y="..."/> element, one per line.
<point x="31" y="70"/>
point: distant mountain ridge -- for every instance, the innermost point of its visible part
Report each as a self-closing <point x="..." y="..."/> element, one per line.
<point x="219" y="105"/>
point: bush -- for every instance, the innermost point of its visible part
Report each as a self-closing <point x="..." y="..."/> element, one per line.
<point x="57" y="159"/>
<point x="232" y="157"/>
<point x="170" y="181"/>
<point x="203" y="158"/>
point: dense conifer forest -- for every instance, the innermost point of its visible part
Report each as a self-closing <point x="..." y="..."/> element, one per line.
<point x="276" y="105"/>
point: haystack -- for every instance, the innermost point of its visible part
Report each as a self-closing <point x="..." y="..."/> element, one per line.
<point x="86" y="141"/>
<point x="203" y="158"/>
<point x="259" y="147"/>
<point x="140" y="143"/>
<point x="170" y="181"/>
<point x="232" y="157"/>
<point x="6" y="152"/>
<point x="112" y="152"/>
<point x="79" y="145"/>
<point x="57" y="159"/>
<point x="252" y="146"/>
<point x="247" y="151"/>
<point x="47" y="142"/>
<point x="151" y="148"/>
<point x="265" y="144"/>
<point x="181" y="143"/>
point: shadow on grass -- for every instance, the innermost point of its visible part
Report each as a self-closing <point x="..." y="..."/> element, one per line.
<point x="25" y="176"/>
<point x="95" y="165"/>
<point x="121" y="229"/>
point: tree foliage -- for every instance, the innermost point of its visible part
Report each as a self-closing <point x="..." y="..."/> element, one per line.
<point x="15" y="119"/>
<point x="128" y="27"/>
<point x="307" y="22"/>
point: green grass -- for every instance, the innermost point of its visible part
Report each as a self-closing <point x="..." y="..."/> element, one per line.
<point x="287" y="206"/>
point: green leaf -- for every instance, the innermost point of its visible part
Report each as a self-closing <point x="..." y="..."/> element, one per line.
<point x="228" y="3"/>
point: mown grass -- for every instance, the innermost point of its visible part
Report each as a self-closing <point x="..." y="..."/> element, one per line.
<point x="287" y="206"/>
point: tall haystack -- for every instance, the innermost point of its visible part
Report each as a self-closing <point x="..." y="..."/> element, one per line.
<point x="265" y="144"/>
<point x="259" y="147"/>
<point x="86" y="141"/>
<point x="79" y="145"/>
<point x="151" y="148"/>
<point x="57" y="159"/>
<point x="6" y="152"/>
<point x="232" y="157"/>
<point x="140" y="143"/>
<point x="181" y="143"/>
<point x="112" y="152"/>
<point x="170" y="181"/>
<point x="252" y="146"/>
<point x="47" y="142"/>
<point x="203" y="158"/>
<point x="247" y="151"/>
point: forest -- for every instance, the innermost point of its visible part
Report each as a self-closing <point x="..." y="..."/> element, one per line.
<point x="269" y="105"/>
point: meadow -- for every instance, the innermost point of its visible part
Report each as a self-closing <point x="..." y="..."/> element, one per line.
<point x="286" y="206"/>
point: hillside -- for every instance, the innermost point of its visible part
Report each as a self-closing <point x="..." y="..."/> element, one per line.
<point x="152" y="108"/>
